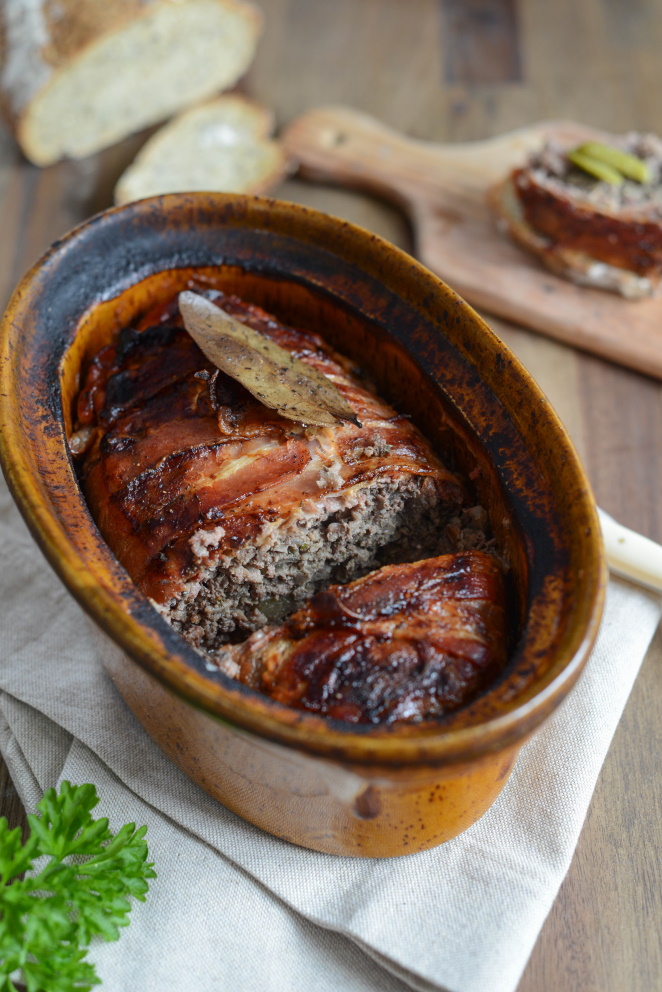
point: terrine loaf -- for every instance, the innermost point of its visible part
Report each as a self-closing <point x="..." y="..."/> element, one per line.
<point x="223" y="145"/>
<point x="79" y="75"/>
<point x="229" y="516"/>
<point x="585" y="218"/>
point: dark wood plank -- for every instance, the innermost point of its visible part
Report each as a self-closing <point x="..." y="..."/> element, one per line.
<point x="624" y="457"/>
<point x="480" y="41"/>
<point x="11" y="806"/>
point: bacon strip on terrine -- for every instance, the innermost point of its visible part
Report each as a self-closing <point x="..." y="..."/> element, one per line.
<point x="407" y="642"/>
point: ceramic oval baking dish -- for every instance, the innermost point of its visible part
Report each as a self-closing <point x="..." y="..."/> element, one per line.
<point x="323" y="784"/>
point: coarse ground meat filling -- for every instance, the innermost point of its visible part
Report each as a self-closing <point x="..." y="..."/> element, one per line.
<point x="230" y="517"/>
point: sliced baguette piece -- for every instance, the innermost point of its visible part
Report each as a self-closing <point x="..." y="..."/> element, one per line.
<point x="79" y="75"/>
<point x="221" y="145"/>
<point x="577" y="266"/>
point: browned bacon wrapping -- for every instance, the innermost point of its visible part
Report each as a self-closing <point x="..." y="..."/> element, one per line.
<point x="627" y="238"/>
<point x="408" y="642"/>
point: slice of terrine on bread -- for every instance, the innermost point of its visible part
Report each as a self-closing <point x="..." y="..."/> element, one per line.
<point x="601" y="229"/>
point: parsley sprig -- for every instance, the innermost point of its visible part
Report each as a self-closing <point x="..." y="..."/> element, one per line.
<point x="76" y="891"/>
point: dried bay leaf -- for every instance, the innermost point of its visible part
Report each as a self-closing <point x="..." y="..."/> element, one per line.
<point x="270" y="373"/>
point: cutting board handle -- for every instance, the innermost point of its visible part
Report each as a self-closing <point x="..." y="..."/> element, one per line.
<point x="352" y="148"/>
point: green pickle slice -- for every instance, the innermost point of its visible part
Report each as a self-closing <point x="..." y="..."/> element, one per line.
<point x="611" y="165"/>
<point x="594" y="167"/>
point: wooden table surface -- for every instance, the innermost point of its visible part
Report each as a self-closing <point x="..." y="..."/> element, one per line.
<point x="456" y="70"/>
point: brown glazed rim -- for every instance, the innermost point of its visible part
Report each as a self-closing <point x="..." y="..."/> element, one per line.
<point x="36" y="463"/>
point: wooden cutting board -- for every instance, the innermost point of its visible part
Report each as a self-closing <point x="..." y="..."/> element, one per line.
<point x="442" y="188"/>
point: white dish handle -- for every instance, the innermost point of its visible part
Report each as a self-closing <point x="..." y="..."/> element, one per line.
<point x="631" y="555"/>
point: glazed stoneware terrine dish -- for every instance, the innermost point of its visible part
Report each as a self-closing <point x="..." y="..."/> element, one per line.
<point x="342" y="630"/>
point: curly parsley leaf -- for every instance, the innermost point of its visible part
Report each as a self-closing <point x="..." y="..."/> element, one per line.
<point x="79" y="879"/>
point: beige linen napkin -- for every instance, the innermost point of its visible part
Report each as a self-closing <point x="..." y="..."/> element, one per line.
<point x="235" y="908"/>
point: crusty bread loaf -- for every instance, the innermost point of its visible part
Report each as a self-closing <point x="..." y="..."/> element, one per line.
<point x="220" y="145"/>
<point x="79" y="75"/>
<point x="577" y="266"/>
